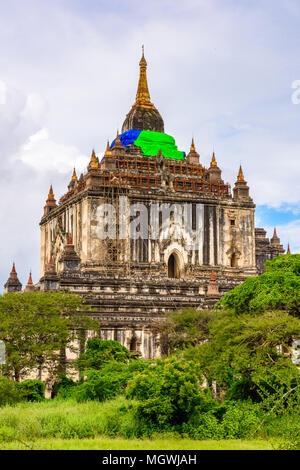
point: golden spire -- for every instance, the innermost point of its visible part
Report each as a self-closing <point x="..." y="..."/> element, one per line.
<point x="192" y="149"/>
<point x="29" y="283"/>
<point x="74" y="176"/>
<point x="213" y="160"/>
<point x="13" y="268"/>
<point x="94" y="161"/>
<point x="241" y="174"/>
<point x="143" y="95"/>
<point x="108" y="151"/>
<point x="117" y="143"/>
<point x="51" y="194"/>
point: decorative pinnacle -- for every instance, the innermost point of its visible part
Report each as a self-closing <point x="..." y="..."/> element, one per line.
<point x="143" y="95"/>
<point x="117" y="143"/>
<point x="74" y="176"/>
<point x="192" y="149"/>
<point x="29" y="283"/>
<point x="213" y="161"/>
<point x="94" y="161"/>
<point x="70" y="241"/>
<point x="13" y="268"/>
<point x="241" y="174"/>
<point x="275" y="233"/>
<point x="212" y="276"/>
<point x="51" y="194"/>
<point x="108" y="151"/>
<point x="288" y="250"/>
<point x="51" y="259"/>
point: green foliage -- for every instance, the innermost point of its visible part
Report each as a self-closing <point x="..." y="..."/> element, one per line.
<point x="108" y="382"/>
<point x="277" y="289"/>
<point x="99" y="352"/>
<point x="243" y="352"/>
<point x="32" y="390"/>
<point x="36" y="325"/>
<point x="237" y="420"/>
<point x="168" y="394"/>
<point x="186" y="327"/>
<point x="9" y="393"/>
<point x="63" y="387"/>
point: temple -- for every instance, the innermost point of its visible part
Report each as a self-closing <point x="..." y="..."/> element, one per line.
<point x="148" y="229"/>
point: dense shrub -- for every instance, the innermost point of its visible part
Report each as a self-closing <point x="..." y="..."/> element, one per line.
<point x="64" y="387"/>
<point x="32" y="390"/>
<point x="168" y="394"/>
<point x="9" y="392"/>
<point x="99" y="352"/>
<point x="239" y="420"/>
<point x="108" y="382"/>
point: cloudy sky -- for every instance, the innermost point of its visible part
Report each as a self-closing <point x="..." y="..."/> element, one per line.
<point x="220" y="70"/>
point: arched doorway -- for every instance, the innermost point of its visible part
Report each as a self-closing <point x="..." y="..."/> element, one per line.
<point x="234" y="261"/>
<point x="173" y="267"/>
<point x="133" y="344"/>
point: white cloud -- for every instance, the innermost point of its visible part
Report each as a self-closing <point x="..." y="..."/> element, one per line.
<point x="30" y="161"/>
<point x="43" y="154"/>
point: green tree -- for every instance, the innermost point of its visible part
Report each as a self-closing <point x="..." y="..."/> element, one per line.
<point x="244" y="353"/>
<point x="36" y="326"/>
<point x="186" y="327"/>
<point x="277" y="289"/>
<point x="99" y="352"/>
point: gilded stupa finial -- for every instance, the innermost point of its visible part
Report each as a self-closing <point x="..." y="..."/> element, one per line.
<point x="143" y="95"/>
<point x="29" y="283"/>
<point x="241" y="174"/>
<point x="193" y="149"/>
<point x="108" y="151"/>
<point x="213" y="160"/>
<point x="94" y="161"/>
<point x="51" y="194"/>
<point x="118" y="142"/>
<point x="74" y="176"/>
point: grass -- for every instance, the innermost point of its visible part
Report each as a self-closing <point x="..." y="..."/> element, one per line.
<point x="67" y="424"/>
<point x="139" y="444"/>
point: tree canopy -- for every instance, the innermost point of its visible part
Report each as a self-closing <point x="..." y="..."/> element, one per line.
<point x="99" y="352"/>
<point x="276" y="289"/>
<point x="36" y="326"/>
